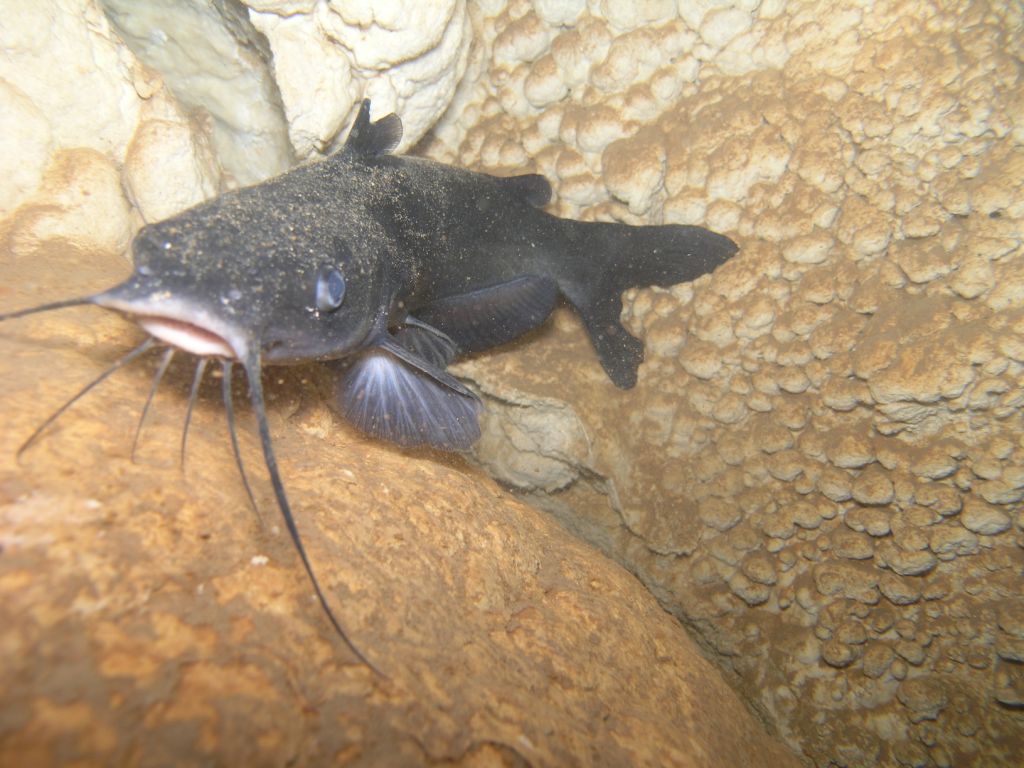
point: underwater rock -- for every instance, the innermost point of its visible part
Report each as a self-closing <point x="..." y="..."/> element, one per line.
<point x="252" y="87"/>
<point x="148" y="615"/>
<point x="820" y="471"/>
<point x="842" y="401"/>
<point x="218" y="66"/>
<point x="113" y="106"/>
<point x="407" y="56"/>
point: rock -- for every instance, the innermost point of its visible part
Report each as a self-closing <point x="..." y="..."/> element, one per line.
<point x="80" y="200"/>
<point x="760" y="568"/>
<point x="873" y="487"/>
<point x="214" y="60"/>
<point x="852" y="545"/>
<point x="950" y="540"/>
<point x="899" y="591"/>
<point x="750" y="592"/>
<point x="720" y="514"/>
<point x="924" y="697"/>
<point x="407" y="57"/>
<point x="980" y="517"/>
<point x="97" y="109"/>
<point x="837" y="654"/>
<point x="169" y="148"/>
<point x="840" y="579"/>
<point x="851" y="450"/>
<point x="912" y="563"/>
<point x="531" y="443"/>
<point x="877" y="657"/>
<point x="1009" y="685"/>
<point x="872" y="180"/>
<point x="490" y="623"/>
<point x="27" y="145"/>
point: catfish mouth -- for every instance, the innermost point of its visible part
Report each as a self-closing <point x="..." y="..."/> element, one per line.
<point x="186" y="336"/>
<point x="181" y="324"/>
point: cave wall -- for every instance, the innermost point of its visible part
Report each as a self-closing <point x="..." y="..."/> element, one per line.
<point x="820" y="470"/>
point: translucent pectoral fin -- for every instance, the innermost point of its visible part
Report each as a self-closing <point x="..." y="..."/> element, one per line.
<point x="389" y="394"/>
<point x="426" y="342"/>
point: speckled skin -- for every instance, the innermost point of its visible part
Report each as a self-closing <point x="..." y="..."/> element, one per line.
<point x="405" y="233"/>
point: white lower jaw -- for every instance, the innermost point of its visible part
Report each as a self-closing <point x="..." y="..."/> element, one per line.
<point x="190" y="338"/>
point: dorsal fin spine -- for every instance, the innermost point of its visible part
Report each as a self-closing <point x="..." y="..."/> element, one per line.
<point x="373" y="138"/>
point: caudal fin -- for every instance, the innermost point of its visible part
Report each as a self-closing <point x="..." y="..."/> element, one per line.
<point x="610" y="258"/>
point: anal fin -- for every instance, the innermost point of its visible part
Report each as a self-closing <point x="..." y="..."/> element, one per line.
<point x="619" y="351"/>
<point x="494" y="315"/>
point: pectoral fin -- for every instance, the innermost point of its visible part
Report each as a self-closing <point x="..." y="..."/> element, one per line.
<point x="426" y="342"/>
<point x="391" y="393"/>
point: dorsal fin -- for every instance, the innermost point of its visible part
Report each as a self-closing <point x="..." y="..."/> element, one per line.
<point x="372" y="139"/>
<point x="531" y="187"/>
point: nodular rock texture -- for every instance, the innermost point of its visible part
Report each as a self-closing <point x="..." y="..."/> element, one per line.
<point x="821" y="470"/>
<point x="149" y="616"/>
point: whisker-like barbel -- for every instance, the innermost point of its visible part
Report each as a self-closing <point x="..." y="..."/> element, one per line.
<point x="47" y="307"/>
<point x="144" y="347"/>
<point x="253" y="373"/>
<point x="165" y="361"/>
<point x="229" y="409"/>
<point x="192" y="395"/>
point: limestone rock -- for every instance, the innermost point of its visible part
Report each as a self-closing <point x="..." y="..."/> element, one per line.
<point x="146" y="614"/>
<point x="825" y="402"/>
<point x="210" y="95"/>
<point x="216" y="63"/>
<point x="819" y="471"/>
<point x="114" y="106"/>
<point x="407" y="56"/>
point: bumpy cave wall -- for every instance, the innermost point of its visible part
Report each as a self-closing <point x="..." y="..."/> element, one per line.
<point x="822" y="467"/>
<point x="148" y="616"/>
<point x="820" y="471"/>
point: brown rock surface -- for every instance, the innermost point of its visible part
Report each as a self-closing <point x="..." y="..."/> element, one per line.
<point x="820" y="470"/>
<point x="149" y="617"/>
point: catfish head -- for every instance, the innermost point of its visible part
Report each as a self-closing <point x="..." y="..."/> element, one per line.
<point x="254" y="276"/>
<point x="213" y="283"/>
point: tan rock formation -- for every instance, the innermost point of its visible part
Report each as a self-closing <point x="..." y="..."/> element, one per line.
<point x="819" y="473"/>
<point x="820" y="469"/>
<point x="147" y="616"/>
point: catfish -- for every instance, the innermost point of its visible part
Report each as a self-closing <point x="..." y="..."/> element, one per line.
<point x="392" y="267"/>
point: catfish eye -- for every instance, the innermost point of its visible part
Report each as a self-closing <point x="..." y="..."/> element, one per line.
<point x="330" y="289"/>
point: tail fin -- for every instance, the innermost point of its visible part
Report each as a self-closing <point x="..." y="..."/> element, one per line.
<point x="609" y="258"/>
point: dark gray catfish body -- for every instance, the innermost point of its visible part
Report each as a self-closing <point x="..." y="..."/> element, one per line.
<point x="432" y="262"/>
<point x="394" y="266"/>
